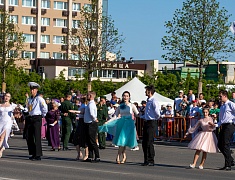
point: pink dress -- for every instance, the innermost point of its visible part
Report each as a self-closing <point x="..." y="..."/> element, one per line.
<point x="204" y="140"/>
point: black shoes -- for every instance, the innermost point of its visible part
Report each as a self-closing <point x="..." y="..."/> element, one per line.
<point x="66" y="149"/>
<point x="227" y="168"/>
<point x="31" y="157"/>
<point x="96" y="160"/>
<point x="148" y="164"/>
<point x="35" y="158"/>
<point x="232" y="163"/>
<point x="87" y="160"/>
<point x="101" y="147"/>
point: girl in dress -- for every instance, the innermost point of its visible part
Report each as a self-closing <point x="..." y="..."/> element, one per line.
<point x="6" y="121"/>
<point x="204" y="141"/>
<point x="123" y="127"/>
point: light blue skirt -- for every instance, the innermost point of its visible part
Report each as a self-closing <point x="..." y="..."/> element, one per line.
<point x="123" y="129"/>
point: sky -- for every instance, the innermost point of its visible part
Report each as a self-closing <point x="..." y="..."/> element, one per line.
<point x="142" y="24"/>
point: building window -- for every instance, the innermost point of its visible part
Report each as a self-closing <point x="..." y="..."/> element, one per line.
<point x="59" y="40"/>
<point x="29" y="20"/>
<point x="13" y="19"/>
<point x="13" y="2"/>
<point x="76" y="71"/>
<point x="28" y="54"/>
<point x="58" y="55"/>
<point x="45" y="21"/>
<point x="95" y="73"/>
<point x="76" y="6"/>
<point x="45" y="4"/>
<point x="12" y="54"/>
<point x="44" y="55"/>
<point x="88" y="7"/>
<point x="29" y="38"/>
<point x="45" y="39"/>
<point x="76" y="24"/>
<point x="74" y="57"/>
<point x="1" y="2"/>
<point x="29" y="3"/>
<point x="115" y="74"/>
<point x="60" y="5"/>
<point x="60" y="22"/>
<point x="74" y="41"/>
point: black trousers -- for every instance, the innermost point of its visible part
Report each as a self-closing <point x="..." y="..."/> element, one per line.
<point x="149" y="129"/>
<point x="225" y="136"/>
<point x="91" y="134"/>
<point x="34" y="124"/>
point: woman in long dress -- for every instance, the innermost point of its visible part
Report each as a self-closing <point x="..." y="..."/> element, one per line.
<point x="52" y="119"/>
<point x="123" y="127"/>
<point x="79" y="135"/>
<point x="6" y="121"/>
<point x="205" y="141"/>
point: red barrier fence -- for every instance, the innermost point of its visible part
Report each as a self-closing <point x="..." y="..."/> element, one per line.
<point x="173" y="128"/>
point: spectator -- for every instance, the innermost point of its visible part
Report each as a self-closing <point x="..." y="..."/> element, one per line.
<point x="49" y="104"/>
<point x="194" y="115"/>
<point x="183" y="112"/>
<point x="201" y="99"/>
<point x="191" y="96"/>
<point x="177" y="101"/>
<point x="233" y="97"/>
<point x="113" y="98"/>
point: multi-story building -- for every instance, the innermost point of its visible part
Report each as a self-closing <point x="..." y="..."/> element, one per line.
<point x="45" y="25"/>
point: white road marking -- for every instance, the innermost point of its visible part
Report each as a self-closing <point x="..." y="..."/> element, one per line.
<point x="75" y="168"/>
<point x="2" y="178"/>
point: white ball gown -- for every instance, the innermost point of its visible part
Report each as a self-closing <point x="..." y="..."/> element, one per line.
<point x="6" y="122"/>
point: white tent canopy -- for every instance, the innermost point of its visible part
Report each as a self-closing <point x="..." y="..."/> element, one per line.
<point x="137" y="91"/>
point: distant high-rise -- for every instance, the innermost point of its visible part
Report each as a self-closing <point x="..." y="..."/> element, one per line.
<point x="45" y="24"/>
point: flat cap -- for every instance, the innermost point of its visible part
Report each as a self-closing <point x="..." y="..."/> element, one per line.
<point x="33" y="85"/>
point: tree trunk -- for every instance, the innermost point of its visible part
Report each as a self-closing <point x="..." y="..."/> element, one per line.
<point x="200" y="81"/>
<point x="89" y="82"/>
<point x="3" y="81"/>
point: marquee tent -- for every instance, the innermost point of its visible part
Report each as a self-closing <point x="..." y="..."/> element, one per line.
<point x="137" y="91"/>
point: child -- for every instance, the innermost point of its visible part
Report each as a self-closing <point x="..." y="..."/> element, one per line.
<point x="204" y="141"/>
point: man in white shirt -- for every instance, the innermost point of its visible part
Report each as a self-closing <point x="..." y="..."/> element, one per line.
<point x="152" y="114"/>
<point x="91" y="127"/>
<point x="227" y="121"/>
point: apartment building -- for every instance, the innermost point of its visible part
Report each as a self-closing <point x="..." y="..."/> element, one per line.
<point x="45" y="24"/>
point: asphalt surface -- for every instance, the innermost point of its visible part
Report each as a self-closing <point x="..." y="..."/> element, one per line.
<point x="171" y="162"/>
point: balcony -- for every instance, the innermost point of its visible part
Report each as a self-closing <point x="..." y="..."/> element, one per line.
<point x="43" y="28"/>
<point x="33" y="28"/>
<point x="34" y="11"/>
<point x="64" y="47"/>
<point x="33" y="45"/>
<point x="43" y="45"/>
<point x="11" y="26"/>
<point x="11" y="9"/>
<point x="43" y="11"/>
<point x="74" y="31"/>
<point x="74" y="13"/>
<point x="65" y="13"/>
<point x="73" y="47"/>
<point x="64" y="30"/>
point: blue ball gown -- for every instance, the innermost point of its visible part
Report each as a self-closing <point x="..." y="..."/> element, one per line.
<point x="123" y="128"/>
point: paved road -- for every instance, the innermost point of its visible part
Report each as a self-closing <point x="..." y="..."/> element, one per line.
<point x="171" y="160"/>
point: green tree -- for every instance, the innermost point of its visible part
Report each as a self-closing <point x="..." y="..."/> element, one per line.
<point x="96" y="36"/>
<point x="11" y="44"/>
<point x="199" y="33"/>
